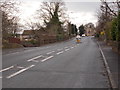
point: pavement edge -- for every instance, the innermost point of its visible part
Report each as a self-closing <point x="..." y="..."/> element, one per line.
<point x="0" y="47"/>
<point x="110" y="77"/>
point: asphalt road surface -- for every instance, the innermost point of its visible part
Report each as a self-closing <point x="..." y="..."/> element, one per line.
<point x="58" y="65"/>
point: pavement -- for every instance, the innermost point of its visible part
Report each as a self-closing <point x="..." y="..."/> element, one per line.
<point x="59" y="65"/>
<point x="113" y="62"/>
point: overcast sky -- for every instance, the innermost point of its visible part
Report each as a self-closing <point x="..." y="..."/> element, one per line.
<point x="79" y="12"/>
<point x="83" y="12"/>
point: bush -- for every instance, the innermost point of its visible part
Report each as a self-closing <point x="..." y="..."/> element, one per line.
<point x="118" y="28"/>
<point x="60" y="37"/>
<point x="108" y="27"/>
<point x="97" y="35"/>
<point x="30" y="43"/>
<point x="114" y="29"/>
<point x="34" y="42"/>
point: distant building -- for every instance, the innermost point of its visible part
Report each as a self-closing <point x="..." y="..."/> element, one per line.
<point x="27" y="35"/>
<point x="89" y="29"/>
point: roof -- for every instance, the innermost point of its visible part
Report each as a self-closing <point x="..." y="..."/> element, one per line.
<point x="29" y="32"/>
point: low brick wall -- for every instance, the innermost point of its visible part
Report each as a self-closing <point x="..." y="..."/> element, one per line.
<point x="45" y="39"/>
<point x="14" y="40"/>
<point x="48" y="39"/>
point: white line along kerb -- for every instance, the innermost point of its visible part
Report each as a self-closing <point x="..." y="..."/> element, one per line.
<point x="14" y="74"/>
<point x="32" y="59"/>
<point x="47" y="58"/>
<point x="112" y="82"/>
<point x="6" y="69"/>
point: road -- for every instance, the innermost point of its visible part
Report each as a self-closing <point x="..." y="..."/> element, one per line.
<point x="58" y="65"/>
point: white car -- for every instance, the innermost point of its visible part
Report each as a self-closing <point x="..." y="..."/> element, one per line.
<point x="83" y="35"/>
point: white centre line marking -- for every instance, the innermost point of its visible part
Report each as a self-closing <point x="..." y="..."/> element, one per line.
<point x="59" y="49"/>
<point x="59" y="52"/>
<point x="29" y="50"/>
<point x="48" y="47"/>
<point x="33" y="59"/>
<point x="6" y="69"/>
<point x="14" y="74"/>
<point x="47" y="58"/>
<point x="67" y="49"/>
<point x="50" y="52"/>
<point x="75" y="45"/>
<point x="19" y="67"/>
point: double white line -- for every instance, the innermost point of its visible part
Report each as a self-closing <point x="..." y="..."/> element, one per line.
<point x="59" y="52"/>
<point x="50" y="52"/>
<point x="6" y="69"/>
<point x="59" y="49"/>
<point x="72" y="47"/>
<point x="67" y="49"/>
<point x="14" y="74"/>
<point x="47" y="58"/>
<point x="33" y="59"/>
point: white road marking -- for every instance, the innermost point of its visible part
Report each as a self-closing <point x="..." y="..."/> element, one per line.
<point x="47" y="58"/>
<point x="72" y="47"/>
<point x="29" y="50"/>
<point x="15" y="53"/>
<point x="33" y="59"/>
<point x="110" y="76"/>
<point x="67" y="49"/>
<point x="75" y="45"/>
<point x="14" y="74"/>
<point x="19" y="67"/>
<point x="50" y="52"/>
<point x="59" y="49"/>
<point x="0" y="77"/>
<point x="48" y="47"/>
<point x="59" y="52"/>
<point x="6" y="69"/>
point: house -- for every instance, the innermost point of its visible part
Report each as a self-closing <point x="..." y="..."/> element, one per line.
<point x="27" y="35"/>
<point x="32" y="34"/>
<point x="89" y="29"/>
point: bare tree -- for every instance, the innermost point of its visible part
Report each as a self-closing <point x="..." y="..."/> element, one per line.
<point x="110" y="8"/>
<point x="53" y="15"/>
<point x="108" y="12"/>
<point x="49" y="9"/>
<point x="9" y="21"/>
